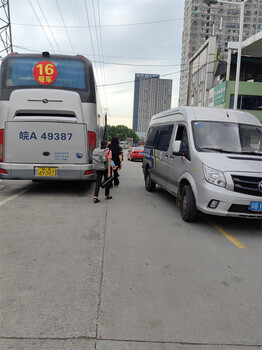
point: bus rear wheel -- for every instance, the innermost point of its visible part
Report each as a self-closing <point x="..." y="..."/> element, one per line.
<point x="188" y="204"/>
<point x="149" y="183"/>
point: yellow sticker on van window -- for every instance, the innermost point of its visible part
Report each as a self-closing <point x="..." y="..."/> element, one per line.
<point x="154" y="158"/>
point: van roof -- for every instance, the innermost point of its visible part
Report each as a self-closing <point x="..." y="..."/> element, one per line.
<point x="206" y="113"/>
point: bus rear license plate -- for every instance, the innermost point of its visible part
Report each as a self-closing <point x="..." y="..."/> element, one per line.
<point x="46" y="171"/>
<point x="255" y="206"/>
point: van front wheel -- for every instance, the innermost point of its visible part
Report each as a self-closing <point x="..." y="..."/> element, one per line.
<point x="188" y="204"/>
<point x="149" y="183"/>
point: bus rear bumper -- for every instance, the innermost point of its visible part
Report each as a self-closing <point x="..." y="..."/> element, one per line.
<point x="63" y="172"/>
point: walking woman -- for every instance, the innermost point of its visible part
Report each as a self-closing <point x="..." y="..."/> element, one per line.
<point x="117" y="156"/>
<point x="104" y="173"/>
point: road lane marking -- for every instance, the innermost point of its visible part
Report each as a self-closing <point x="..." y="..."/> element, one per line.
<point x="8" y="199"/>
<point x="229" y="236"/>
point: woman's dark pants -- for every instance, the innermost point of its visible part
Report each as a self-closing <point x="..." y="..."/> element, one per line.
<point x="100" y="174"/>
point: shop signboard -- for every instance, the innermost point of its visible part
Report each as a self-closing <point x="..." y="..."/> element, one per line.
<point x="220" y="93"/>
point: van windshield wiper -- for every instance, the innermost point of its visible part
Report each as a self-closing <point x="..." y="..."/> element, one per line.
<point x="217" y="150"/>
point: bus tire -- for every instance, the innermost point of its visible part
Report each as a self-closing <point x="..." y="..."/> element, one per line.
<point x="149" y="183"/>
<point x="188" y="207"/>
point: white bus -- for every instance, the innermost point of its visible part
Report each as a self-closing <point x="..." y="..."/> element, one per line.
<point x="50" y="117"/>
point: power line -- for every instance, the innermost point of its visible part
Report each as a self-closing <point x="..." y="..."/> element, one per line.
<point x="49" y="26"/>
<point x="102" y="52"/>
<point x="104" y="26"/>
<point x="42" y="27"/>
<point x="162" y="75"/>
<point x="97" y="42"/>
<point x="89" y="27"/>
<point x="141" y="58"/>
<point x="65" y="26"/>
<point x="132" y="81"/>
<point x="135" y="65"/>
<point x="113" y="63"/>
<point x="139" y="65"/>
<point x="94" y="55"/>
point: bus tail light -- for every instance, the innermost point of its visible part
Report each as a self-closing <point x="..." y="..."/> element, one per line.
<point x="1" y="145"/>
<point x="3" y="171"/>
<point x="89" y="172"/>
<point x="92" y="141"/>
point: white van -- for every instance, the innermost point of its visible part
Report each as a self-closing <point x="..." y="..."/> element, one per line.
<point x="209" y="158"/>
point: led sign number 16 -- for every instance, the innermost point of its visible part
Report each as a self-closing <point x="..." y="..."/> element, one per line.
<point x="45" y="72"/>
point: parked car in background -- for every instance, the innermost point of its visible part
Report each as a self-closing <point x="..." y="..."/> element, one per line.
<point x="136" y="153"/>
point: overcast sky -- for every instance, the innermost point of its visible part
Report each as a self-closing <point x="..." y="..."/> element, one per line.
<point x="116" y="35"/>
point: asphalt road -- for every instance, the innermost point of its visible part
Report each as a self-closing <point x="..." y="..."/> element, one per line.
<point x="124" y="274"/>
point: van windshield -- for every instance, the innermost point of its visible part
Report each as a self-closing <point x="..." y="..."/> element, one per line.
<point x="227" y="137"/>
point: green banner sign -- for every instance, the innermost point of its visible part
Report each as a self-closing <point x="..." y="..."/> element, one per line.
<point x="220" y="93"/>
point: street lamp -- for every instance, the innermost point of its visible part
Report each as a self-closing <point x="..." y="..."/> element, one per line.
<point x="242" y="6"/>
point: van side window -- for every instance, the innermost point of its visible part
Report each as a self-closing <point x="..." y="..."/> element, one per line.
<point x="179" y="132"/>
<point x="184" y="143"/>
<point x="152" y="137"/>
<point x="181" y="135"/>
<point x="164" y="137"/>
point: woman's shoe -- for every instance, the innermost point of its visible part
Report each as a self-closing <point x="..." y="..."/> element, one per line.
<point x="96" y="200"/>
<point x="108" y="197"/>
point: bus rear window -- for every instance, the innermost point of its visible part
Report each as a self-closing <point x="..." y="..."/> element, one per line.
<point x="70" y="73"/>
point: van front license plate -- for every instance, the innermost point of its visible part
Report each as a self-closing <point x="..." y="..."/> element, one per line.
<point x="255" y="206"/>
<point x="46" y="171"/>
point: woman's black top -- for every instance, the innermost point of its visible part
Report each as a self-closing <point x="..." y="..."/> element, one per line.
<point x="116" y="151"/>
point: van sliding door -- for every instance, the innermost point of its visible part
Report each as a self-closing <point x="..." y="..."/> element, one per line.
<point x="178" y="164"/>
<point x="162" y="146"/>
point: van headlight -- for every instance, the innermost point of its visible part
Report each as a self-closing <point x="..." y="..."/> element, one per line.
<point x="214" y="176"/>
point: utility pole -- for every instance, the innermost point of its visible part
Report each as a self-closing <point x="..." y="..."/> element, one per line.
<point x="6" y="45"/>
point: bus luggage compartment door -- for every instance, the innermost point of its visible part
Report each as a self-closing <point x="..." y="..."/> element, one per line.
<point x="45" y="142"/>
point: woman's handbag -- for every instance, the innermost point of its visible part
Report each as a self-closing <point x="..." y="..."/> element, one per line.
<point x="107" y="182"/>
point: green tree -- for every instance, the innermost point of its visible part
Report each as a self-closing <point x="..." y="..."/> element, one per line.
<point x="122" y="132"/>
<point x="111" y="130"/>
<point x="133" y="134"/>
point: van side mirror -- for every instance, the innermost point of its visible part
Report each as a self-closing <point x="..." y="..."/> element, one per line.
<point x="176" y="147"/>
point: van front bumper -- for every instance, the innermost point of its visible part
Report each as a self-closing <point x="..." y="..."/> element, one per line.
<point x="63" y="172"/>
<point x="230" y="203"/>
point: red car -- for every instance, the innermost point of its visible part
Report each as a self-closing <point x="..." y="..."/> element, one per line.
<point x="136" y="153"/>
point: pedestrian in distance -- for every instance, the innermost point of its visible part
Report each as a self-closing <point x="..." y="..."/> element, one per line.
<point x="117" y="156"/>
<point x="102" y="159"/>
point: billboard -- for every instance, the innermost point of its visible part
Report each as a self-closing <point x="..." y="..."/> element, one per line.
<point x="220" y="93"/>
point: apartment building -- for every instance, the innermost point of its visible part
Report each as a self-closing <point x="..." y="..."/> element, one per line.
<point x="151" y="95"/>
<point x="220" y="20"/>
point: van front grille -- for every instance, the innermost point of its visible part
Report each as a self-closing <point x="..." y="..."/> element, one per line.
<point x="239" y="208"/>
<point x="248" y="185"/>
<point x="243" y="209"/>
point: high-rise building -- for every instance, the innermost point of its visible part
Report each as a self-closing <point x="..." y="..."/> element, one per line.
<point x="151" y="95"/>
<point x="202" y="21"/>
